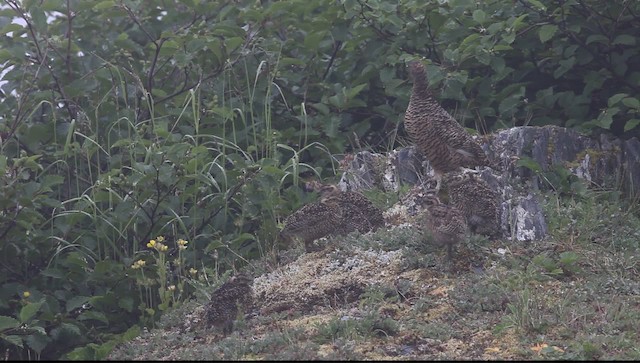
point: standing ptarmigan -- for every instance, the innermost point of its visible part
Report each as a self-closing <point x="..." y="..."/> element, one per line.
<point x="444" y="142"/>
<point x="222" y="309"/>
<point x="445" y="223"/>
<point x="476" y="200"/>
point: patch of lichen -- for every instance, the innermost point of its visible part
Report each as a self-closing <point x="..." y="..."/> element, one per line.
<point x="594" y="157"/>
<point x="378" y="168"/>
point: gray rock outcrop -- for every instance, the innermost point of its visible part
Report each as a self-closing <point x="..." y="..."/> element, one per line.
<point x="526" y="160"/>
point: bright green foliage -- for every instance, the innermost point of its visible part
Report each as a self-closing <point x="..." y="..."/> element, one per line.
<point x="124" y="120"/>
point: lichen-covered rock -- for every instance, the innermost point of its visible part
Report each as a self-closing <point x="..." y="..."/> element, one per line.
<point x="605" y="162"/>
<point x="523" y="155"/>
<point x="526" y="218"/>
<point x="362" y="171"/>
<point x="325" y="279"/>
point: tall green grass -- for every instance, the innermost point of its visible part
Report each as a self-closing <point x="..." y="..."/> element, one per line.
<point x="209" y="170"/>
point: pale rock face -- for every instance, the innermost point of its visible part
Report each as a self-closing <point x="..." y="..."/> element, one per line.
<point x="605" y="162"/>
<point x="528" y="222"/>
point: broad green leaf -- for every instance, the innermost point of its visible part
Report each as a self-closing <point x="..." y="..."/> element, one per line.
<point x="7" y="322"/>
<point x="3" y="164"/>
<point x="287" y="61"/>
<point x="546" y="32"/>
<point x="631" y="102"/>
<point x="93" y="315"/>
<point x="537" y="4"/>
<point x="13" y="339"/>
<point x="354" y="91"/>
<point x="39" y="18"/>
<point x="312" y="40"/>
<point x="565" y="66"/>
<point x="631" y="124"/>
<point x="479" y="16"/>
<point x="625" y="39"/>
<point x="126" y="303"/>
<point x="37" y="342"/>
<point x="76" y="302"/>
<point x="321" y="107"/>
<point x="616" y="98"/>
<point x="215" y="46"/>
<point x="5" y="55"/>
<point x="54" y="5"/>
<point x="233" y="43"/>
<point x="158" y="93"/>
<point x="518" y="23"/>
<point x="49" y="180"/>
<point x="605" y="119"/>
<point x="131" y="333"/>
<point x="83" y="353"/>
<point x="10" y="28"/>
<point x="498" y="64"/>
<point x="104" y="5"/>
<point x="103" y="350"/>
<point x="28" y="311"/>
<point x="469" y="39"/>
<point x="597" y="38"/>
<point x="501" y="47"/>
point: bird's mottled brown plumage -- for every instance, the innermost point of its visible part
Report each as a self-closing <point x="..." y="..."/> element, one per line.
<point x="476" y="200"/>
<point x="312" y="221"/>
<point x="355" y="206"/>
<point x="222" y="309"/>
<point x="336" y="213"/>
<point x="445" y="222"/>
<point x="444" y="142"/>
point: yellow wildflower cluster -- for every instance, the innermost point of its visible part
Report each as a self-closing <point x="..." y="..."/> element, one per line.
<point x="193" y="271"/>
<point x="26" y="294"/>
<point x="138" y="264"/>
<point x="182" y="244"/>
<point x="157" y="244"/>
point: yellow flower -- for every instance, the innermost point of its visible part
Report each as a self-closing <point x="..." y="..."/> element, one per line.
<point x="171" y="287"/>
<point x="163" y="248"/>
<point x="26" y="294"/>
<point x="182" y="244"/>
<point x="138" y="264"/>
<point x="193" y="271"/>
<point x="151" y="243"/>
<point x="160" y="238"/>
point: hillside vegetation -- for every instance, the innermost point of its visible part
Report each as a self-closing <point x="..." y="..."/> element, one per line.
<point x="386" y="295"/>
<point x="147" y="148"/>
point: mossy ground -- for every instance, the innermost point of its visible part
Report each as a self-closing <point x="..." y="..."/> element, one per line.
<point x="575" y="295"/>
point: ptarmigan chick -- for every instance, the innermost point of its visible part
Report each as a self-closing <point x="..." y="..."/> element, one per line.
<point x="445" y="223"/>
<point x="359" y="213"/>
<point x="312" y="221"/>
<point x="444" y="142"/>
<point x="335" y="213"/>
<point x="476" y="200"/>
<point x="222" y="309"/>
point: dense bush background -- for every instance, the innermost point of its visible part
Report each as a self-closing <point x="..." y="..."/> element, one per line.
<point x="122" y="121"/>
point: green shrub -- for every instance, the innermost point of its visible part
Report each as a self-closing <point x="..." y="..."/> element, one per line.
<point x="122" y="121"/>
